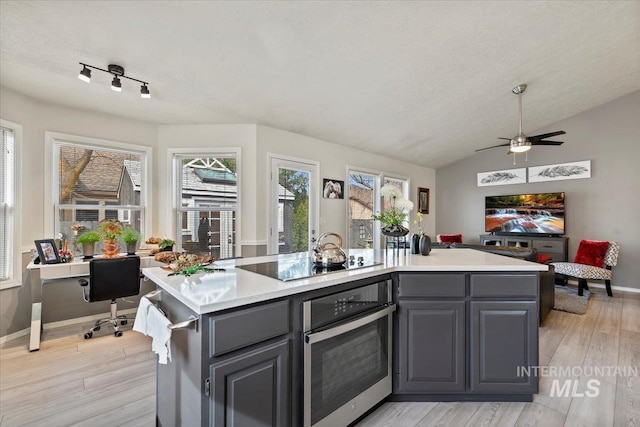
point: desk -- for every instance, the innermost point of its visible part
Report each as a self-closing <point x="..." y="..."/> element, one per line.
<point x="39" y="274"/>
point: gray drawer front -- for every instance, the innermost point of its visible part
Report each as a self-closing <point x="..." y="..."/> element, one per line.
<point x="431" y="285"/>
<point x="549" y="247"/>
<point x="245" y="327"/>
<point x="556" y="257"/>
<point x="504" y="285"/>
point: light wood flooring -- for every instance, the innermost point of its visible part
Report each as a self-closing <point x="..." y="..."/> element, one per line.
<point x="108" y="381"/>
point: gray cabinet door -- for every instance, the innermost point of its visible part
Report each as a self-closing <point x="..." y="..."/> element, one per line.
<point x="431" y="350"/>
<point x="504" y="339"/>
<point x="252" y="389"/>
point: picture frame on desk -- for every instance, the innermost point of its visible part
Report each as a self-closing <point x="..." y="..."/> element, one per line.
<point x="47" y="251"/>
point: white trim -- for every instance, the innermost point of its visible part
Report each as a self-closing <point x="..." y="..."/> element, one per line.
<point x="146" y="199"/>
<point x="173" y="167"/>
<point x="255" y="242"/>
<point x="16" y="280"/>
<point x="67" y="322"/>
<point x="602" y="286"/>
<point x="14" y="335"/>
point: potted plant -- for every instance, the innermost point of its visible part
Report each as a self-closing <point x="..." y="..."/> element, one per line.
<point x="166" y="245"/>
<point x="130" y="238"/>
<point x="88" y="241"/>
<point x="393" y="217"/>
<point x="109" y="230"/>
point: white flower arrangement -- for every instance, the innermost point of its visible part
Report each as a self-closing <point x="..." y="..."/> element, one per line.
<point x="397" y="214"/>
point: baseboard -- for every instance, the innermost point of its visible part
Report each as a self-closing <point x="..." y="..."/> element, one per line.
<point x="67" y="322"/>
<point x="14" y="336"/>
<point x="613" y="288"/>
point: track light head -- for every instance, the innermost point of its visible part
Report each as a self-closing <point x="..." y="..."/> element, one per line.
<point x="116" y="85"/>
<point x="85" y="74"/>
<point x="144" y="91"/>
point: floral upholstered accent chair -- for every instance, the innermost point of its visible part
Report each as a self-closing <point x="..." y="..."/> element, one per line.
<point x="594" y="261"/>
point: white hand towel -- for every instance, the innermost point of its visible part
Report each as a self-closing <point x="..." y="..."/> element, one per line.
<point x="158" y="329"/>
<point x="140" y="323"/>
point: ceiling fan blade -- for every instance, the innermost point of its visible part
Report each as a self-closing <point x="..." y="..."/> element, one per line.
<point x="507" y="139"/>
<point x="545" y="135"/>
<point x="495" y="146"/>
<point x="547" y="143"/>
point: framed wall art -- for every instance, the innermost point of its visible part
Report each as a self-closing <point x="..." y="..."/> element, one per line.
<point x="332" y="189"/>
<point x="423" y="200"/>
<point x="561" y="171"/>
<point x="503" y="177"/>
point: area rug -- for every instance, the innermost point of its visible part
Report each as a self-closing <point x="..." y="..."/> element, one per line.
<point x="567" y="299"/>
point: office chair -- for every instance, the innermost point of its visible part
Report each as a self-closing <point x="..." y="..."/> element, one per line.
<point x="111" y="278"/>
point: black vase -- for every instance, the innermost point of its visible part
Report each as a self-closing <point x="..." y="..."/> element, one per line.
<point x="415" y="243"/>
<point x="425" y="244"/>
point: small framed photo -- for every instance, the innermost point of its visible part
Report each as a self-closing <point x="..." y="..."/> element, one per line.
<point x="423" y="200"/>
<point x="332" y="189"/>
<point x="47" y="251"/>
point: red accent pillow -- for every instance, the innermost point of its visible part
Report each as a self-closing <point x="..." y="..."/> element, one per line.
<point x="451" y="238"/>
<point x="592" y="252"/>
<point x="542" y="258"/>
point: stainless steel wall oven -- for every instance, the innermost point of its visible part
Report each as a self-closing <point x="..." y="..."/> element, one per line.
<point x="347" y="353"/>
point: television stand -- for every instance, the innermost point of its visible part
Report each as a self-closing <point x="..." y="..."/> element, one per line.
<point x="556" y="247"/>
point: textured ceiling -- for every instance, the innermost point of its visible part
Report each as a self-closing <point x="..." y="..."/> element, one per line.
<point x="425" y="82"/>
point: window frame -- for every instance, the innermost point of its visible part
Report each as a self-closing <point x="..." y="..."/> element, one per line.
<point x="15" y="278"/>
<point x="53" y="140"/>
<point x="380" y="178"/>
<point x="175" y="155"/>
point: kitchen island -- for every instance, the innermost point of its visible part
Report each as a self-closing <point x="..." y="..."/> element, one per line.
<point x="464" y="321"/>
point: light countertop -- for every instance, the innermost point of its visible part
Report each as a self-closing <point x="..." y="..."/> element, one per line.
<point x="210" y="292"/>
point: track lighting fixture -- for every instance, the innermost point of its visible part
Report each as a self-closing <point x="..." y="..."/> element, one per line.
<point x="85" y="74"/>
<point x="144" y="91"/>
<point x="116" y="85"/>
<point x="117" y="72"/>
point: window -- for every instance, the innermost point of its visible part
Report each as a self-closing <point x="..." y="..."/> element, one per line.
<point x="364" y="189"/>
<point x="9" y="205"/>
<point x="95" y="180"/>
<point x="208" y="202"/>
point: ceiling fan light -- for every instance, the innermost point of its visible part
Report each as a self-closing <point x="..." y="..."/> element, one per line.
<point x="144" y="92"/>
<point x="85" y="74"/>
<point x="116" y="85"/>
<point x="517" y="148"/>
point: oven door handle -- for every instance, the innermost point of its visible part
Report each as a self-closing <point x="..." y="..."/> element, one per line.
<point x="349" y="326"/>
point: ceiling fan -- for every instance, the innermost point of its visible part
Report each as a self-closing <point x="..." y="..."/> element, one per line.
<point x="522" y="143"/>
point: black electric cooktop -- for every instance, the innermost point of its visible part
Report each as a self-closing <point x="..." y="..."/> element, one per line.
<point x="301" y="268"/>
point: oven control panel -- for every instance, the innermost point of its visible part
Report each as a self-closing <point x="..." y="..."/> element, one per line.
<point x="342" y="305"/>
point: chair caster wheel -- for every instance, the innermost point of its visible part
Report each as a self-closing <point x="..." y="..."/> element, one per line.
<point x="123" y="322"/>
<point x="88" y="335"/>
<point x="118" y="333"/>
<point x="96" y="328"/>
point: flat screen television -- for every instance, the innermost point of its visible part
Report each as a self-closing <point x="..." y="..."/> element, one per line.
<point x="528" y="214"/>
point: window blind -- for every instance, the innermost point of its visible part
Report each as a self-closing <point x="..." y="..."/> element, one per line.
<point x="7" y="204"/>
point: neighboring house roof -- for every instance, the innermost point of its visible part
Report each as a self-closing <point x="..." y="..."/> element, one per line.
<point x="133" y="168"/>
<point x="102" y="178"/>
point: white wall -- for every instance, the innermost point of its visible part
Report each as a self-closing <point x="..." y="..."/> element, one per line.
<point x="36" y="117"/>
<point x="333" y="159"/>
<point x="204" y="137"/>
<point x="604" y="207"/>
